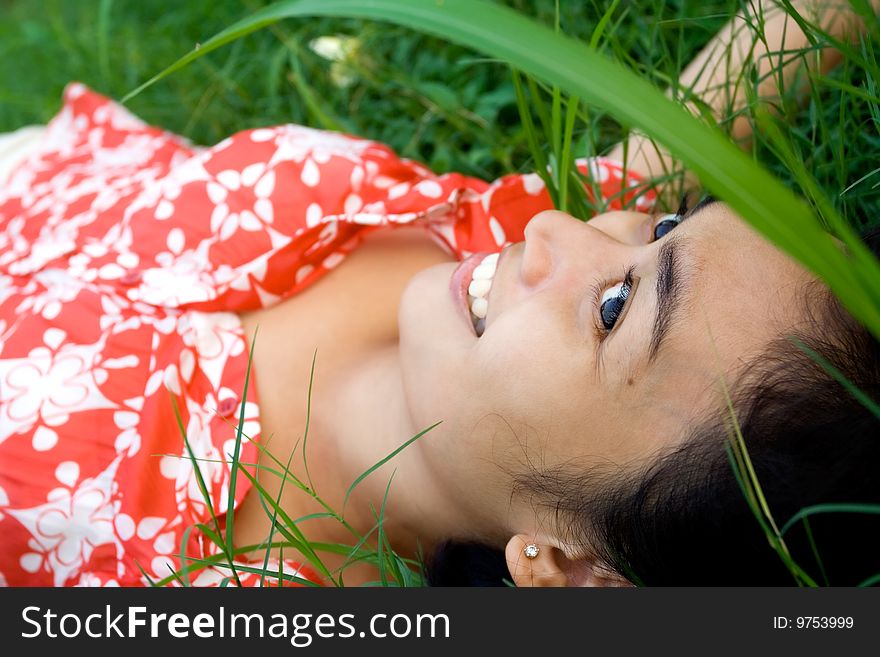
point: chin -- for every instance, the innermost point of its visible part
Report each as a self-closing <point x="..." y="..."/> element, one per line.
<point x="434" y="341"/>
<point x="427" y="315"/>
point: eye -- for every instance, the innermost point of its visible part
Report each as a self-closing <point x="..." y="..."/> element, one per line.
<point x="613" y="301"/>
<point x="666" y="224"/>
<point x="669" y="221"/>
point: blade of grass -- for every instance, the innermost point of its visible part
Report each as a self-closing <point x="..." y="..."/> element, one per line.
<point x="873" y="509"/>
<point x="599" y="30"/>
<point x="500" y="32"/>
<point x="210" y="534"/>
<point x="144" y="573"/>
<point x="522" y="104"/>
<point x="735" y="457"/>
<point x="289" y="526"/>
<point x="195" y="564"/>
<point x="870" y="174"/>
<point x="256" y="571"/>
<point x="852" y="389"/>
<point x="383" y="537"/>
<point x="308" y="417"/>
<point x="174" y="574"/>
<point x="285" y="472"/>
<point x="274" y="514"/>
<point x="861" y="259"/>
<point x="102" y="31"/>
<point x="361" y="554"/>
<point x="565" y="158"/>
<point x="203" y="488"/>
<point x="871" y="581"/>
<point x="233" y="475"/>
<point x="284" y="479"/>
<point x="380" y="549"/>
<point x="814" y="548"/>
<point x="534" y="86"/>
<point x="556" y="109"/>
<point x="366" y="473"/>
<point x="184" y="539"/>
<point x="747" y="477"/>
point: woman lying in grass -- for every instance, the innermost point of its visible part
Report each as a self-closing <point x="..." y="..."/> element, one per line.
<point x="579" y="372"/>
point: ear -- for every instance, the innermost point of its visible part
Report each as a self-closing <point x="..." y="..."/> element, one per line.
<point x="552" y="568"/>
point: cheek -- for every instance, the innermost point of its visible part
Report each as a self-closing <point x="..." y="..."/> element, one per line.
<point x="533" y="372"/>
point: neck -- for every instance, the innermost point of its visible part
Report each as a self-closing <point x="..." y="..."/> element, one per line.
<point x="364" y="420"/>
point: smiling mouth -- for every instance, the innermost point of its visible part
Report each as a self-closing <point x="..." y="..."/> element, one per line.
<point x="478" y="291"/>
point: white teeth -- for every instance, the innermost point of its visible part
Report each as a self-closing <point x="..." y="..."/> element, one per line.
<point x="484" y="272"/>
<point x="479" y="307"/>
<point x="479" y="288"/>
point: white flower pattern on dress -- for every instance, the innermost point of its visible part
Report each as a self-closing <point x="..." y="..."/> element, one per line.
<point x="73" y="521"/>
<point x="52" y="381"/>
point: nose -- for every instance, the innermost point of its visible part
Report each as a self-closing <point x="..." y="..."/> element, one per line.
<point x="552" y="238"/>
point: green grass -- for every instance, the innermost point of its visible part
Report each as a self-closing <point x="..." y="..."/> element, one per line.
<point x="464" y="109"/>
<point x="442" y="104"/>
<point x="371" y="547"/>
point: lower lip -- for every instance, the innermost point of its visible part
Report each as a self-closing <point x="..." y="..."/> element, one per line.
<point x="459" y="282"/>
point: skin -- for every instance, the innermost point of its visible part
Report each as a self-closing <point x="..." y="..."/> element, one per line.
<point x="542" y="386"/>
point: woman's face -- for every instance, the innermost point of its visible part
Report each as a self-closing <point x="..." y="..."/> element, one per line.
<point x="558" y="380"/>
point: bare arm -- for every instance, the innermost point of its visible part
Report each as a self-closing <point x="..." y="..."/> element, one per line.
<point x="717" y="74"/>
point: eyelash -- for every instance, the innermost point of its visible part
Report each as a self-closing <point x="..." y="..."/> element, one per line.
<point x="626" y="288"/>
<point x="628" y="281"/>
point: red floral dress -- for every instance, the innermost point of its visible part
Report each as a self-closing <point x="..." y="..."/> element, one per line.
<point x="125" y="254"/>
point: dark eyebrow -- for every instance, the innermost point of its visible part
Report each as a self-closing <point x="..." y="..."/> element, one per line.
<point x="669" y="292"/>
<point x="670" y="283"/>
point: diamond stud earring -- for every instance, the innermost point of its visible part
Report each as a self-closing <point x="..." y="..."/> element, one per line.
<point x="531" y="551"/>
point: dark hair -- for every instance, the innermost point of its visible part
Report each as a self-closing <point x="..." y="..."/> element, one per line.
<point x="684" y="518"/>
<point x="467" y="564"/>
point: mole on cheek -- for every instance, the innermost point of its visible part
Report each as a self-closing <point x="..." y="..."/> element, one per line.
<point x="630" y="381"/>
